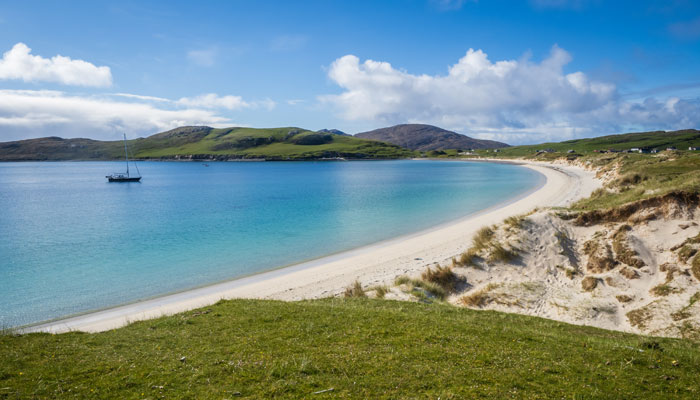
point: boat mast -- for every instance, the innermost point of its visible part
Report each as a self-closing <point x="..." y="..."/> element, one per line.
<point x="126" y="156"/>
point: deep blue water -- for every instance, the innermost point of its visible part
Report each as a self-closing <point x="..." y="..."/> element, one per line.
<point x="71" y="242"/>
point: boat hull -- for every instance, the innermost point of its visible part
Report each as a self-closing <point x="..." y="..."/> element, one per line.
<point x="129" y="179"/>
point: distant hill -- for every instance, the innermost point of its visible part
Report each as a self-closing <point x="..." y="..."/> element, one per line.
<point x="660" y="140"/>
<point x="427" y="137"/>
<point x="333" y="131"/>
<point x="203" y="142"/>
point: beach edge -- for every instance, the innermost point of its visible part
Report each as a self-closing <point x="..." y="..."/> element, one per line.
<point x="374" y="264"/>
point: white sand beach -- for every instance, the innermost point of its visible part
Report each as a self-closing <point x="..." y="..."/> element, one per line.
<point x="379" y="263"/>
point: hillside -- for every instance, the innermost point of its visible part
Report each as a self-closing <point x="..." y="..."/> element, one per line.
<point x="347" y="348"/>
<point x="427" y="137"/>
<point x="660" y="140"/>
<point x="202" y="142"/>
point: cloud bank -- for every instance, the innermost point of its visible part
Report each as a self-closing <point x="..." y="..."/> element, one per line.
<point x="19" y="64"/>
<point x="37" y="113"/>
<point x="511" y="100"/>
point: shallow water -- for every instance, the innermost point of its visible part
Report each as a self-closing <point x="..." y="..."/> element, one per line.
<point x="70" y="242"/>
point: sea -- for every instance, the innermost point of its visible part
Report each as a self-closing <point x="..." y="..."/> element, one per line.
<point x="70" y="242"/>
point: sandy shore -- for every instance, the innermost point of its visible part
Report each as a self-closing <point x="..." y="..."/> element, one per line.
<point x="375" y="264"/>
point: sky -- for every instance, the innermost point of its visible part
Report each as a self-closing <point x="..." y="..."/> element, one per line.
<point x="516" y="71"/>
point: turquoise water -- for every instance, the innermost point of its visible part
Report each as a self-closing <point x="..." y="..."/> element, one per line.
<point x="70" y="242"/>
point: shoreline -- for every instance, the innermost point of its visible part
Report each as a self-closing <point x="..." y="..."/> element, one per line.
<point x="377" y="263"/>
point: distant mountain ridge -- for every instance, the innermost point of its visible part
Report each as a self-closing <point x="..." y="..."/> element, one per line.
<point x="422" y="137"/>
<point x="207" y="143"/>
<point x="333" y="131"/>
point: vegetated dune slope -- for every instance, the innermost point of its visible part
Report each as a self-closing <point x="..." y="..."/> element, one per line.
<point x="633" y="266"/>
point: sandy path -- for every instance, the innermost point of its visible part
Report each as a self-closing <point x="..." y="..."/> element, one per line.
<point x="374" y="264"/>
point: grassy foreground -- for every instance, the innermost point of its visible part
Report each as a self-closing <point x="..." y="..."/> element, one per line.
<point x="360" y="348"/>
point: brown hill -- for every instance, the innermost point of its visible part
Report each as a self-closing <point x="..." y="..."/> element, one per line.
<point x="427" y="137"/>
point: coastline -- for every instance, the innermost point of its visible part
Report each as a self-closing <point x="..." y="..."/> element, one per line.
<point x="378" y="263"/>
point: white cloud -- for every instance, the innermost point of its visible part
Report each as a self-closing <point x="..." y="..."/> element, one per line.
<point x="203" y="57"/>
<point x="140" y="97"/>
<point x="36" y="113"/>
<point x="18" y="63"/>
<point x="212" y="100"/>
<point x="511" y="100"/>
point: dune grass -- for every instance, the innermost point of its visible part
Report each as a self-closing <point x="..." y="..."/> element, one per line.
<point x="423" y="289"/>
<point x="360" y="348"/>
<point x="695" y="267"/>
<point x="442" y="276"/>
<point x="355" y="290"/>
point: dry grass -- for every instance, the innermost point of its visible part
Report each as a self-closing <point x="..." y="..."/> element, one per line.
<point x="684" y="313"/>
<point x="355" y="290"/>
<point x="685" y="253"/>
<point x="663" y="290"/>
<point x="623" y="298"/>
<point x="479" y="298"/>
<point x="695" y="267"/>
<point x="441" y="276"/>
<point x="482" y="239"/>
<point x="498" y="253"/>
<point x="570" y="273"/>
<point x="629" y="273"/>
<point x="589" y="283"/>
<point x="622" y="251"/>
<point x="680" y="315"/>
<point x="516" y="221"/>
<point x="468" y="258"/>
<point x="600" y="257"/>
<point x="641" y="316"/>
<point x="381" y="291"/>
<point x="422" y="289"/>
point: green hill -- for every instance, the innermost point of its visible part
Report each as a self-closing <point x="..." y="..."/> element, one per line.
<point x="648" y="140"/>
<point x="349" y="348"/>
<point x="201" y="142"/>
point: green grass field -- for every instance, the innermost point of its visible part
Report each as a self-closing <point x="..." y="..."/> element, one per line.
<point x="360" y="348"/>
<point x="660" y="140"/>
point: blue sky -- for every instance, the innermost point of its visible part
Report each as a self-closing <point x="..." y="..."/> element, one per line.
<point x="537" y="70"/>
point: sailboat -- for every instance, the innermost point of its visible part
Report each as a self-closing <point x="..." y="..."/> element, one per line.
<point x="125" y="177"/>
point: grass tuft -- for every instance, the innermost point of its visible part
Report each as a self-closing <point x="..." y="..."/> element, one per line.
<point x="482" y="239"/>
<point x="468" y="258"/>
<point x="663" y="290"/>
<point x="479" y="298"/>
<point x="355" y="290"/>
<point x="441" y="276"/>
<point x="499" y="253"/>
<point x="685" y="253"/>
<point x="695" y="266"/>
<point x="381" y="291"/>
<point x="622" y="250"/>
<point x="516" y="221"/>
